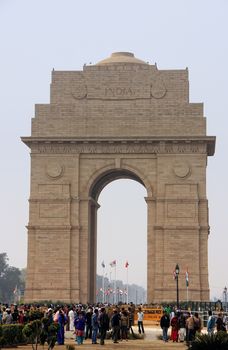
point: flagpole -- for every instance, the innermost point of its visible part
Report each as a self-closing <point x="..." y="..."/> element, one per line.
<point x="115" y="286"/>
<point x="127" y="285"/>
<point x="187" y="284"/>
<point x="103" y="285"/>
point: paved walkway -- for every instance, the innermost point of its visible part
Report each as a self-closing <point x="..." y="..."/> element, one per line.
<point x="150" y="341"/>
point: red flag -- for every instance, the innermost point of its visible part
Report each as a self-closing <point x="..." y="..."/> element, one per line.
<point x="113" y="263"/>
<point x="126" y="264"/>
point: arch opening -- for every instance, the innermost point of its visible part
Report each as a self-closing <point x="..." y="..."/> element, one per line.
<point x="118" y="231"/>
<point x="110" y="176"/>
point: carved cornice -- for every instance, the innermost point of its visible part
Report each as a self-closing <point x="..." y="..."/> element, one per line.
<point x="50" y="200"/>
<point x="162" y="145"/>
<point x="180" y="227"/>
<point x="53" y="228"/>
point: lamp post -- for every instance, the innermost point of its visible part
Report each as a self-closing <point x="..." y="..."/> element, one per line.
<point x="177" y="271"/>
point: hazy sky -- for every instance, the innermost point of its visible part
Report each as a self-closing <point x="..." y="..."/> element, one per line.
<point x="36" y="36"/>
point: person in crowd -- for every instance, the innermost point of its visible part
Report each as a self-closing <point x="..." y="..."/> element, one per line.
<point x="61" y="331"/>
<point x="191" y="328"/>
<point x="168" y="309"/>
<point x="48" y="318"/>
<point x="115" y="323"/>
<point x="220" y="325"/>
<point x="79" y="324"/>
<point x="103" y="321"/>
<point x="9" y="317"/>
<point x="210" y="323"/>
<point x="88" y="317"/>
<point x="182" y="327"/>
<point x="198" y="324"/>
<point x="194" y="325"/>
<point x="95" y="326"/>
<point x="131" y="319"/>
<point x="4" y="315"/>
<point x="56" y="313"/>
<point x="140" y="316"/>
<point x="71" y="319"/>
<point x="124" y="325"/>
<point x="174" y="328"/>
<point x="165" y="324"/>
<point x="15" y="314"/>
<point x="21" y="317"/>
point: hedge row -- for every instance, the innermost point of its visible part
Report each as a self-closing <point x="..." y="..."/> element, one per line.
<point x="11" y="334"/>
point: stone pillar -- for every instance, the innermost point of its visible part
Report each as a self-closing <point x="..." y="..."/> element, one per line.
<point x="151" y="249"/>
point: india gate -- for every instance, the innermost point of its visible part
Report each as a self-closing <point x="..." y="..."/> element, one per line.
<point x="121" y="118"/>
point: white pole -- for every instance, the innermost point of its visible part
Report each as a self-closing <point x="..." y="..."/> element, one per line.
<point x="115" y="286"/>
<point x="127" y="285"/>
<point x="103" y="286"/>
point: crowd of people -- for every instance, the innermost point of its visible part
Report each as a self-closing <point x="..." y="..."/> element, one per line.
<point x="84" y="321"/>
<point x="186" y="325"/>
<point x="92" y="322"/>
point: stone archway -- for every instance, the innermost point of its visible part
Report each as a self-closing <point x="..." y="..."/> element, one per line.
<point x="119" y="118"/>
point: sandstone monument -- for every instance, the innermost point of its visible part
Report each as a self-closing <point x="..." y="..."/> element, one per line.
<point x="119" y="118"/>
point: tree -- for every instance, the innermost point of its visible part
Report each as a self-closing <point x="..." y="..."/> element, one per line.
<point x="3" y="264"/>
<point x="10" y="278"/>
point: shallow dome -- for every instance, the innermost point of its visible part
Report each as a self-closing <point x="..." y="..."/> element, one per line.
<point x="120" y="57"/>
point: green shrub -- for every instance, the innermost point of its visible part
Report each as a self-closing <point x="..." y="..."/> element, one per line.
<point x="41" y="331"/>
<point x="49" y="333"/>
<point x="35" y="315"/>
<point x="32" y="331"/>
<point x="217" y="341"/>
<point x="11" y="334"/>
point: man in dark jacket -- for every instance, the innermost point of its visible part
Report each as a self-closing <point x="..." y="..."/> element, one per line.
<point x="115" y="321"/>
<point x="165" y="324"/>
<point x="103" y="321"/>
<point x="88" y="317"/>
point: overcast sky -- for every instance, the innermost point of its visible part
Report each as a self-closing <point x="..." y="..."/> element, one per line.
<point x="36" y="36"/>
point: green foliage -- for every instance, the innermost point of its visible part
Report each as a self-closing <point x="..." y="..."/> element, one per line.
<point x="3" y="263"/>
<point x="217" y="341"/>
<point x="11" y="334"/>
<point x="35" y="315"/>
<point x="49" y="333"/>
<point x="41" y="331"/>
<point x="10" y="277"/>
<point x="32" y="332"/>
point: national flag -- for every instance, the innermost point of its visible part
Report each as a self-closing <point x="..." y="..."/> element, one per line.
<point x="15" y="290"/>
<point x="103" y="264"/>
<point x="113" y="263"/>
<point x="126" y="264"/>
<point x="174" y="275"/>
<point x="187" y="278"/>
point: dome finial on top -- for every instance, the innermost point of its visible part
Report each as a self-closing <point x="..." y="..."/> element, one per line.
<point x="121" y="57"/>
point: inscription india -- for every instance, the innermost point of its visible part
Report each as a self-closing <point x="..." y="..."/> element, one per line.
<point x="119" y="92"/>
